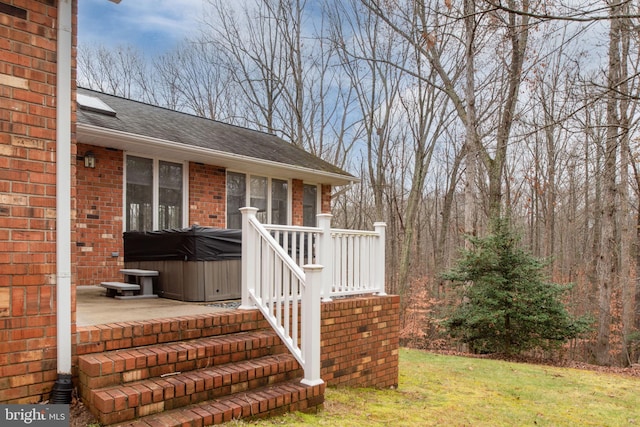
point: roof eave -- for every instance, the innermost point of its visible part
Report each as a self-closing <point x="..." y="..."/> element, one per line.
<point x="140" y="144"/>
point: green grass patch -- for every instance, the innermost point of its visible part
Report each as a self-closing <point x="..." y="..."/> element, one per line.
<point x="436" y="390"/>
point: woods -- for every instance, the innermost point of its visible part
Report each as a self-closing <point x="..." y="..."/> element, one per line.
<point x="453" y="113"/>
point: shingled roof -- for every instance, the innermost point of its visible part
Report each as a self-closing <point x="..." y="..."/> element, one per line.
<point x="210" y="138"/>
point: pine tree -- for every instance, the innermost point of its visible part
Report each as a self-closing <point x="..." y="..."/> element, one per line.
<point x="508" y="305"/>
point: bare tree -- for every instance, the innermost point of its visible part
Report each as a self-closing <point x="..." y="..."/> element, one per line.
<point x="120" y="71"/>
<point x="504" y="35"/>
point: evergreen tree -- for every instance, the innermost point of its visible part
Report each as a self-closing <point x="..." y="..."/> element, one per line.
<point x="508" y="305"/>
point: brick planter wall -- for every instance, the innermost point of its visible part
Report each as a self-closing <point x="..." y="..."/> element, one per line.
<point x="360" y="339"/>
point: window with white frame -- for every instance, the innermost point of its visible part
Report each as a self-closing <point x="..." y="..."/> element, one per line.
<point x="279" y="202"/>
<point x="236" y="196"/>
<point x="269" y="195"/>
<point x="154" y="194"/>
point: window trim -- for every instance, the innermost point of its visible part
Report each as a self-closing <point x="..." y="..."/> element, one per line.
<point x="270" y="178"/>
<point x="156" y="188"/>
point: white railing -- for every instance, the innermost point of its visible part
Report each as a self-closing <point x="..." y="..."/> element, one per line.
<point x="286" y="270"/>
<point x="353" y="260"/>
<point x="287" y="296"/>
<point x="358" y="259"/>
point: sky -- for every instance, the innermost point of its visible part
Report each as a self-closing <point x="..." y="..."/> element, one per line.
<point x="153" y="26"/>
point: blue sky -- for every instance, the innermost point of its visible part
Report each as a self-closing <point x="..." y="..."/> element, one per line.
<point x="154" y="26"/>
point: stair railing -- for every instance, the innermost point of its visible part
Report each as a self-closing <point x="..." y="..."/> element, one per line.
<point x="287" y="295"/>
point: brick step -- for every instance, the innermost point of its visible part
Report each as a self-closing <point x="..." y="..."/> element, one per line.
<point x="120" y="403"/>
<point x="122" y="366"/>
<point x="124" y="335"/>
<point x="264" y="402"/>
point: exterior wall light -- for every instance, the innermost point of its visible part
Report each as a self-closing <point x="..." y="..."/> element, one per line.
<point x="89" y="160"/>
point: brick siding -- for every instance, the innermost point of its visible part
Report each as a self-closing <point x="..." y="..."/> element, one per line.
<point x="297" y="194"/>
<point x="28" y="200"/>
<point x="326" y="199"/>
<point x="207" y="195"/>
<point x="99" y="222"/>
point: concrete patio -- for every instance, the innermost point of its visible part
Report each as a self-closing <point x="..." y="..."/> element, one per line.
<point x="93" y="307"/>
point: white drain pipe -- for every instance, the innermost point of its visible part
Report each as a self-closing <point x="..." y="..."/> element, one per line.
<point x="63" y="387"/>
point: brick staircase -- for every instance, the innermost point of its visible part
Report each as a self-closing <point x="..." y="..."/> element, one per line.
<point x="189" y="371"/>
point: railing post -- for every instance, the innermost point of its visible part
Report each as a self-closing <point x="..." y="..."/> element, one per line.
<point x="311" y="322"/>
<point x="325" y="252"/>
<point x="380" y="228"/>
<point x="248" y="241"/>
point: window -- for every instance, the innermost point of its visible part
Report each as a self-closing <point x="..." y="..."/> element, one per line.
<point x="259" y="197"/>
<point x="154" y="195"/>
<point x="270" y="196"/>
<point x="279" y="202"/>
<point x="236" y="196"/>
<point x="170" y="195"/>
<point x="309" y="205"/>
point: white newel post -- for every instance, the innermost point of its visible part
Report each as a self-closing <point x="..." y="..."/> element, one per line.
<point x="311" y="320"/>
<point x="325" y="250"/>
<point x="248" y="242"/>
<point x="380" y="228"/>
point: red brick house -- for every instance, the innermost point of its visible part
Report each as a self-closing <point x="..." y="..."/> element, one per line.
<point x="78" y="168"/>
<point x="152" y="168"/>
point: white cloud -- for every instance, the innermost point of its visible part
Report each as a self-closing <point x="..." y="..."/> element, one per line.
<point x="150" y="25"/>
<point x="172" y="17"/>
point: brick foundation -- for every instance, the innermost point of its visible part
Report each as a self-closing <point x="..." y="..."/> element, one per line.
<point x="360" y="339"/>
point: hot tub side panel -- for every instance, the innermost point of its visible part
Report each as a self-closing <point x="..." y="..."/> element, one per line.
<point x="195" y="281"/>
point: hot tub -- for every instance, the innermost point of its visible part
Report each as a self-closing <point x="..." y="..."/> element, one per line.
<point x="197" y="264"/>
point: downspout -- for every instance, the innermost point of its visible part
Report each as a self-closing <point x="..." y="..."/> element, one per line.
<point x="63" y="387"/>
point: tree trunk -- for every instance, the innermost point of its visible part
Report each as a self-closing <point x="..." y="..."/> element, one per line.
<point x="608" y="257"/>
<point x="470" y="124"/>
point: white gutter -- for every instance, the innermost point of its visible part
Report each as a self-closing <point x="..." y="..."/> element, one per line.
<point x="63" y="386"/>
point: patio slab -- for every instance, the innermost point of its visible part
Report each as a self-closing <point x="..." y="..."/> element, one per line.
<point x="93" y="307"/>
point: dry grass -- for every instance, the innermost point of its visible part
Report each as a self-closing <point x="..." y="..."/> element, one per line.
<point x="437" y="390"/>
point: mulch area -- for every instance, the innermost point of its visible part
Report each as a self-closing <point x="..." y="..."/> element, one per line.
<point x="79" y="415"/>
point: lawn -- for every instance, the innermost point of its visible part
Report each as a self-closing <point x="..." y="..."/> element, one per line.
<point x="436" y="390"/>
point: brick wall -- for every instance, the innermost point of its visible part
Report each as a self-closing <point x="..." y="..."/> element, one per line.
<point x="325" y="199"/>
<point x="28" y="199"/>
<point x="360" y="339"/>
<point x="297" y="195"/>
<point x="99" y="223"/>
<point x="207" y="195"/>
